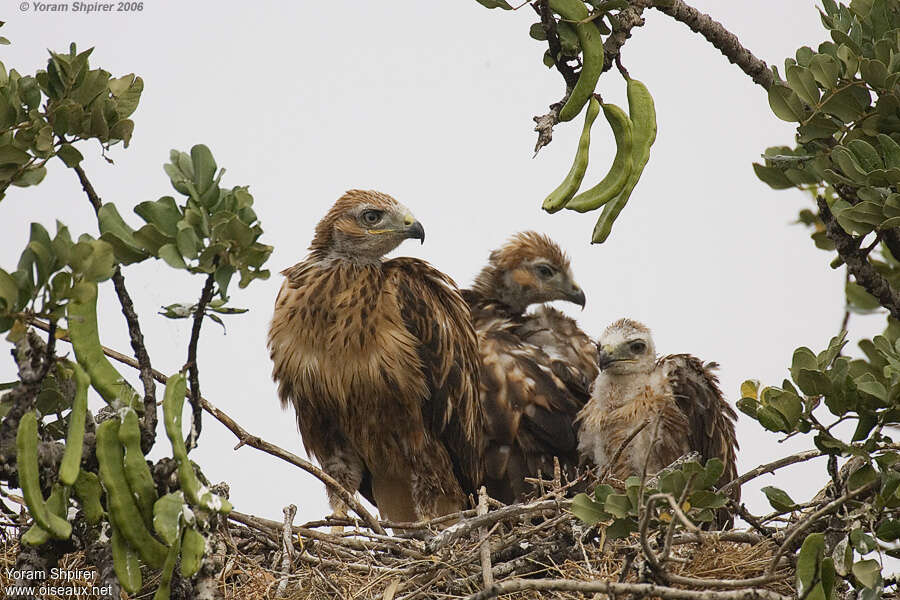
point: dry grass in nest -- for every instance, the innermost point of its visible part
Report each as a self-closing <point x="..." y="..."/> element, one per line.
<point x="536" y="544"/>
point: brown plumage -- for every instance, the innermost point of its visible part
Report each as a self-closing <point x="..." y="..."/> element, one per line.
<point x="678" y="393"/>
<point x="379" y="360"/>
<point x="535" y="368"/>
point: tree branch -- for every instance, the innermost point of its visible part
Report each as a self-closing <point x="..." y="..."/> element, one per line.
<point x="715" y="33"/>
<point x="769" y="468"/>
<point x="193" y="369"/>
<point x="640" y="590"/>
<point x="862" y="270"/>
<point x="149" y="420"/>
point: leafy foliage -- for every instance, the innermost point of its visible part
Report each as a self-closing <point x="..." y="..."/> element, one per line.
<point x="843" y="97"/>
<point x="209" y="230"/>
<point x="691" y="486"/>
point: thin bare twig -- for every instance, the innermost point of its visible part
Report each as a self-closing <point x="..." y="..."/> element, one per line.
<point x="193" y="370"/>
<point x="486" y="574"/>
<point x="769" y="468"/>
<point x="287" y="544"/>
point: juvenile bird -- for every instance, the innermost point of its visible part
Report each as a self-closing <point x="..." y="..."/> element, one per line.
<point x="677" y="393"/>
<point x="536" y="368"/>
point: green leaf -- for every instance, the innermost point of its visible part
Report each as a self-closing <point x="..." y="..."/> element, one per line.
<point x="868" y="573"/>
<point x="847" y="104"/>
<point x="808" y="561"/>
<point x="867" y="383"/>
<point x="170" y="254"/>
<point x="707" y="499"/>
<point x="93" y="260"/>
<point x="813" y="383"/>
<point x="803" y="83"/>
<point x="495" y="4"/>
<point x="859" y="299"/>
<point x="621" y="528"/>
<point x="874" y="72"/>
<point x="772" y="176"/>
<point x="618" y="505"/>
<point x="70" y="155"/>
<point x="537" y="32"/>
<point x="119" y="234"/>
<point x="778" y="498"/>
<point x="888" y="530"/>
<point x="128" y="101"/>
<point x="825" y="70"/>
<point x="31" y="176"/>
<point x="587" y="510"/>
<point x="163" y="213"/>
<point x="772" y="420"/>
<point x="14" y="156"/>
<point x="204" y="167"/>
<point x="785" y="103"/>
<point x="9" y="292"/>
<point x="862" y="477"/>
<point x="866" y="155"/>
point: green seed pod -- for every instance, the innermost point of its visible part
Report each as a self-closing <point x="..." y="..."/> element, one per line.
<point x="29" y="480"/>
<point x="82" y="319"/>
<point x="126" y="563"/>
<point x="621" y="168"/>
<point x="643" y="117"/>
<point x="71" y="460"/>
<point x="592" y="55"/>
<point x="198" y="495"/>
<point x="87" y="490"/>
<point x="121" y="505"/>
<point x="564" y="192"/>
<point x="57" y="503"/>
<point x="163" y="592"/>
<point x="193" y="546"/>
<point x="136" y="470"/>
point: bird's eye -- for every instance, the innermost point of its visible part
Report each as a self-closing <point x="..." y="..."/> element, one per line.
<point x="638" y="347"/>
<point x="371" y="217"/>
<point x="544" y="271"/>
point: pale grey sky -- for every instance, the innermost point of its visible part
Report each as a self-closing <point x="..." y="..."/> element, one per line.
<point x="432" y="103"/>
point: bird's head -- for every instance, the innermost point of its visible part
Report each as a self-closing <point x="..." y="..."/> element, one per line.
<point x="363" y="226"/>
<point x="529" y="269"/>
<point x="626" y="347"/>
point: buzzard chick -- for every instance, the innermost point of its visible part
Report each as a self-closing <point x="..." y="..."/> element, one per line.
<point x="535" y="368"/>
<point x="379" y="360"/>
<point x="678" y="393"/>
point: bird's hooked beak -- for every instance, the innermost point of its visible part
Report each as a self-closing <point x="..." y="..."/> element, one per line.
<point x="576" y="296"/>
<point x="414" y="229"/>
<point x="605" y="357"/>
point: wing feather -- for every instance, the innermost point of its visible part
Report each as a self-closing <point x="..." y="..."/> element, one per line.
<point x="435" y="314"/>
<point x="710" y="418"/>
